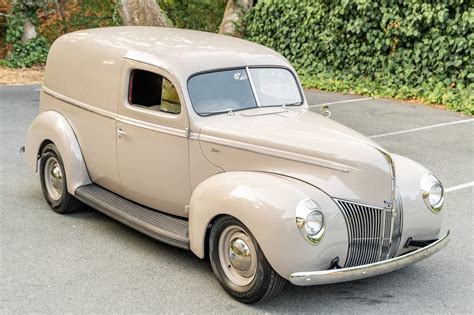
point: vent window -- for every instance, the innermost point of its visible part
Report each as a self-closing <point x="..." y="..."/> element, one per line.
<point x="153" y="91"/>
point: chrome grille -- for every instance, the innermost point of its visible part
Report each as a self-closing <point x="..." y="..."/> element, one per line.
<point x="370" y="231"/>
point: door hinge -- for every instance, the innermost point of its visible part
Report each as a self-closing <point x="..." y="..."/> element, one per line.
<point x="187" y="132"/>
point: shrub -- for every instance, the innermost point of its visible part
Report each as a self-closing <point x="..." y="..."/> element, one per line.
<point x="403" y="49"/>
<point x="31" y="52"/>
<point x="77" y="15"/>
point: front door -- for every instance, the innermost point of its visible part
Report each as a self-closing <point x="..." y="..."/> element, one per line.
<point x="152" y="143"/>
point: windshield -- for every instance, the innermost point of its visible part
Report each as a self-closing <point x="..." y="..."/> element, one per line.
<point x="238" y="89"/>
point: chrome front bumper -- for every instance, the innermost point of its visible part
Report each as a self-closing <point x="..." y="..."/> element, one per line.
<point x="370" y="270"/>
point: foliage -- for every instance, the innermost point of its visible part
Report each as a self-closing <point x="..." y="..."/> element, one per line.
<point x="53" y="18"/>
<point x="404" y="49"/>
<point x="204" y="15"/>
<point x="4" y="9"/>
<point x="33" y="51"/>
<point x="77" y="15"/>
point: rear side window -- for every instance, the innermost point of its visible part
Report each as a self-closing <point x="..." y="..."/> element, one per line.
<point x="153" y="91"/>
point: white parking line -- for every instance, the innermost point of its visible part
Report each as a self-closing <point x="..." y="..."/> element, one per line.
<point x="422" y="128"/>
<point x="37" y="89"/>
<point x="454" y="188"/>
<point x="340" y="102"/>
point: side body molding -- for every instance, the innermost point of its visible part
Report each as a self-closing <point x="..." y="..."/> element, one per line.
<point x="52" y="126"/>
<point x="265" y="203"/>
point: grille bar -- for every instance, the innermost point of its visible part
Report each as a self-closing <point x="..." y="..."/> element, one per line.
<point x="370" y="231"/>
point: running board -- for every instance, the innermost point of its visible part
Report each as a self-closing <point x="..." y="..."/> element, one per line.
<point x="158" y="225"/>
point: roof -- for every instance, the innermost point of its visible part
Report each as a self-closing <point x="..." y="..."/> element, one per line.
<point x="183" y="52"/>
<point x="86" y="65"/>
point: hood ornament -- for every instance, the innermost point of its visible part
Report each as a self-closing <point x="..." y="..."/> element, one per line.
<point x="325" y="111"/>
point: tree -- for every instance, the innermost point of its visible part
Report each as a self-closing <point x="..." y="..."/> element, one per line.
<point x="26" y="11"/>
<point x="143" y="12"/>
<point x="60" y="8"/>
<point x="25" y="47"/>
<point x="233" y="22"/>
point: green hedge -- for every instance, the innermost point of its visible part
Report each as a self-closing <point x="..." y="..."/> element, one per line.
<point x="400" y="48"/>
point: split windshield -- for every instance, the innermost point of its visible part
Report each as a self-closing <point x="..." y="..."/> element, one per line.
<point x="238" y="89"/>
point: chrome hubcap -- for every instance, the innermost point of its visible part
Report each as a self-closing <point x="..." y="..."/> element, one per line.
<point x="237" y="255"/>
<point x="54" y="178"/>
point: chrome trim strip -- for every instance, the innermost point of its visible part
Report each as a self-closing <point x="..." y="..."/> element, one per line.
<point x="153" y="127"/>
<point x="397" y="224"/>
<point x="391" y="166"/>
<point x="275" y="152"/>
<point x="388" y="158"/>
<point x="382" y="236"/>
<point x="119" y="118"/>
<point x="366" y="271"/>
<point x="81" y="105"/>
<point x="194" y="135"/>
<point x="252" y="86"/>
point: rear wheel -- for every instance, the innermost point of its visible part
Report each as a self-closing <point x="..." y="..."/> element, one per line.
<point x="54" y="182"/>
<point x="239" y="263"/>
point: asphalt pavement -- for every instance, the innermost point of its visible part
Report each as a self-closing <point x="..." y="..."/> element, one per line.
<point x="88" y="263"/>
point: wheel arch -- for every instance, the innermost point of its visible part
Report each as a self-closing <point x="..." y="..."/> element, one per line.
<point x="52" y="127"/>
<point x="40" y="149"/>
<point x="265" y="203"/>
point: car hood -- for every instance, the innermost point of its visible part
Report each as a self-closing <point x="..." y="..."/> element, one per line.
<point x="303" y="145"/>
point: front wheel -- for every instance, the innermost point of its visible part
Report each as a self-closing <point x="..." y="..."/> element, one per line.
<point x="239" y="263"/>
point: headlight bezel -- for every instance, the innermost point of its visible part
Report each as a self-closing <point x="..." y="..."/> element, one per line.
<point x="304" y="209"/>
<point x="427" y="182"/>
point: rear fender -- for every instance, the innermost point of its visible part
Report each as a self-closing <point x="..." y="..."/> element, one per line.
<point x="53" y="127"/>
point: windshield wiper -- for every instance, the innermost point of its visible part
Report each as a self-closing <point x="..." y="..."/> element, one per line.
<point x="229" y="111"/>
<point x="284" y="105"/>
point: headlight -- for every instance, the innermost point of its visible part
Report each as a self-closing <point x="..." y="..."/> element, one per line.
<point x="310" y="221"/>
<point x="314" y="223"/>
<point x="432" y="192"/>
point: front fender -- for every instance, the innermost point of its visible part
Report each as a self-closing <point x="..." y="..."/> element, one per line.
<point x="265" y="203"/>
<point x="52" y="126"/>
<point x="419" y="222"/>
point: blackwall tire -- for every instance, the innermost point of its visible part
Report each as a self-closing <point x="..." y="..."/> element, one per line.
<point x="245" y="273"/>
<point x="54" y="181"/>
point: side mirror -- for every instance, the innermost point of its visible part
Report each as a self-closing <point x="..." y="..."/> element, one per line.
<point x="325" y="111"/>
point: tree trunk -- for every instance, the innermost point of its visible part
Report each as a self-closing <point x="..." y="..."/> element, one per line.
<point x="29" y="31"/>
<point x="60" y="4"/>
<point x="233" y="22"/>
<point x="143" y="12"/>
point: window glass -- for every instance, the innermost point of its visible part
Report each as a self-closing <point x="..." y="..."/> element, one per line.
<point x="275" y="86"/>
<point x="169" y="98"/>
<point x="153" y="91"/>
<point x="221" y="91"/>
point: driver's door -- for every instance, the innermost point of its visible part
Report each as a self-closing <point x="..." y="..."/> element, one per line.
<point x="152" y="143"/>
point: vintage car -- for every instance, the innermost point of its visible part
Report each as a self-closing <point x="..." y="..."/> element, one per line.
<point x="207" y="143"/>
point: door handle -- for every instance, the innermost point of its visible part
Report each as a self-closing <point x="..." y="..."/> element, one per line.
<point x="120" y="132"/>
